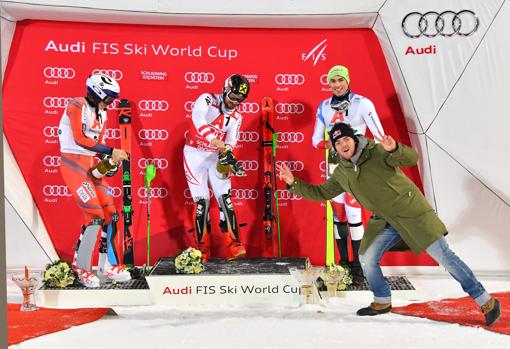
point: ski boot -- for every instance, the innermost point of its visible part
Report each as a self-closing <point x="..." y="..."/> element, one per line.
<point x="113" y="273"/>
<point x="86" y="278"/>
<point x="235" y="248"/>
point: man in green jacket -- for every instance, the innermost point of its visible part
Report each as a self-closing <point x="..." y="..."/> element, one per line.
<point x="371" y="173"/>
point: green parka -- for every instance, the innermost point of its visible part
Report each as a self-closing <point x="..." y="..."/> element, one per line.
<point x="379" y="185"/>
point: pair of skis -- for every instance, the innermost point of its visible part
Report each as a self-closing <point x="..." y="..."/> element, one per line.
<point x="125" y="113"/>
<point x="269" y="143"/>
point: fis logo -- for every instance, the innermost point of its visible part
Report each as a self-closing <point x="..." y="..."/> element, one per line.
<point x="316" y="53"/>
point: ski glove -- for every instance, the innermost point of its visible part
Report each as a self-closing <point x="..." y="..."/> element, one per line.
<point x="228" y="158"/>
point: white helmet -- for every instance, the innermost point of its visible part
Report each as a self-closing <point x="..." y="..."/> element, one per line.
<point x="101" y="86"/>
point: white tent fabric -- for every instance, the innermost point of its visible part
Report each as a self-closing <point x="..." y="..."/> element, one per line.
<point x="452" y="99"/>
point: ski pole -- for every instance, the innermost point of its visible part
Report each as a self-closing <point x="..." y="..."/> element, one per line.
<point x="150" y="174"/>
<point x="275" y="143"/>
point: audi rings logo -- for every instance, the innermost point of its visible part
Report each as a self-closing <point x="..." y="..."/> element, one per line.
<point x="113" y="73"/>
<point x="249" y="165"/>
<point x="289" y="108"/>
<point x="157" y="193"/>
<point x="51" y="161"/>
<point x="291" y="137"/>
<point x="324" y="79"/>
<point x="56" y="102"/>
<point x="289" y="79"/>
<point x="187" y="193"/>
<point x="114" y="105"/>
<point x="322" y="166"/>
<point x="248" y="136"/>
<point x="112" y="133"/>
<point x="447" y="23"/>
<point x="153" y="134"/>
<point x="159" y="163"/>
<point x="199" y="77"/>
<point x="287" y="195"/>
<point x="56" y="190"/>
<point x="59" y="73"/>
<point x="188" y="106"/>
<point x="293" y="165"/>
<point x="153" y="105"/>
<point x="51" y="131"/>
<point x="248" y="108"/>
<point x="115" y="191"/>
<point x="244" y="194"/>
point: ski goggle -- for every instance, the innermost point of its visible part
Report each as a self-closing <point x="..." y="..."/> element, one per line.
<point x="234" y="97"/>
<point x="341" y="106"/>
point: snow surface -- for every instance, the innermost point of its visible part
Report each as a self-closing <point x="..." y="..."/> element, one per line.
<point x="311" y="326"/>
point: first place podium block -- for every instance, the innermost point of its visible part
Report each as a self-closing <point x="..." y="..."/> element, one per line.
<point x="241" y="281"/>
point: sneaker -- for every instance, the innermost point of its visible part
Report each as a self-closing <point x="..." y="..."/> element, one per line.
<point x="86" y="278"/>
<point x="492" y="311"/>
<point x="235" y="249"/>
<point x="116" y="273"/>
<point x="374" y="309"/>
<point x="205" y="247"/>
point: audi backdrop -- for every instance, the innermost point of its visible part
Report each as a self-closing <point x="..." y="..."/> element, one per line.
<point x="425" y="67"/>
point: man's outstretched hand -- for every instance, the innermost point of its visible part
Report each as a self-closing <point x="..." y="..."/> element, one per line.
<point x="284" y="173"/>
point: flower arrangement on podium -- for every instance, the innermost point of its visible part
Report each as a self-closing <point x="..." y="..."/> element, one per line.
<point x="189" y="261"/>
<point x="58" y="274"/>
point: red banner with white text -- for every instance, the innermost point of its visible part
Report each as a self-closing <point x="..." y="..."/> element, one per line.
<point x="162" y="70"/>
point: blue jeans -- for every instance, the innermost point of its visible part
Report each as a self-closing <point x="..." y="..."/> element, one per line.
<point x="439" y="250"/>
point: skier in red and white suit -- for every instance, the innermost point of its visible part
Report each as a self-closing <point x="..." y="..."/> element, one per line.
<point x="209" y="146"/>
<point x="359" y="112"/>
<point x="81" y="135"/>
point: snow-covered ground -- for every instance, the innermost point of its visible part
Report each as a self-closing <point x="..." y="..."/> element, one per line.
<point x="312" y="326"/>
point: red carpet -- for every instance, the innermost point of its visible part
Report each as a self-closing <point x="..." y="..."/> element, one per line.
<point x="462" y="311"/>
<point x="27" y="325"/>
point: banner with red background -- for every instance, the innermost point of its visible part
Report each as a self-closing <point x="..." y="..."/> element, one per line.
<point x="162" y="70"/>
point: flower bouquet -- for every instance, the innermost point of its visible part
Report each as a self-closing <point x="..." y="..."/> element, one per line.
<point x="189" y="261"/>
<point x="58" y="274"/>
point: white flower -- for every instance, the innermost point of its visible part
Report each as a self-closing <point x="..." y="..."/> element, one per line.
<point x="189" y="261"/>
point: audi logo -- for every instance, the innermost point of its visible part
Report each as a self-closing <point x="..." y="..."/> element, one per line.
<point x="153" y="105"/>
<point x="244" y="194"/>
<point x="249" y="165"/>
<point x="159" y="163"/>
<point x="187" y="193"/>
<point x="153" y="135"/>
<point x="248" y="136"/>
<point x="284" y="194"/>
<point x="322" y="166"/>
<point x="114" y="105"/>
<point x="157" y="193"/>
<point x="56" y="190"/>
<point x="291" y="137"/>
<point x="188" y="106"/>
<point x="56" y="102"/>
<point x="115" y="191"/>
<point x="113" y="73"/>
<point x="289" y="79"/>
<point x="289" y="108"/>
<point x="59" y="73"/>
<point x="51" y="161"/>
<point x="199" y="77"/>
<point x="324" y="79"/>
<point x="248" y="108"/>
<point x="51" y="131"/>
<point x="112" y="133"/>
<point x="293" y="165"/>
<point x="447" y="23"/>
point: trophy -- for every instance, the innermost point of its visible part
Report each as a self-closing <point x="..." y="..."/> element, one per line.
<point x="27" y="282"/>
<point x="306" y="277"/>
<point x="332" y="275"/>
